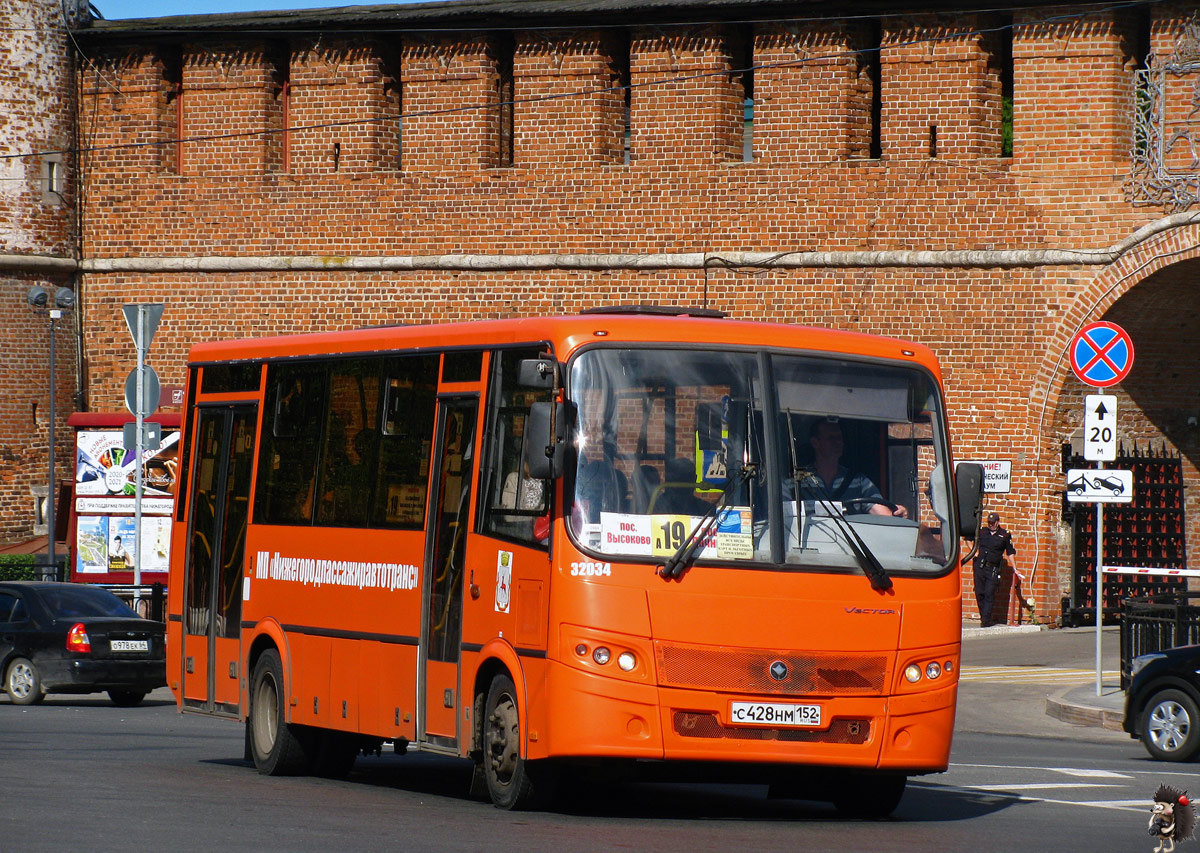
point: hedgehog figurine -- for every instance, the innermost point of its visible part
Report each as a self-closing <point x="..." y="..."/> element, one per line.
<point x="1172" y="819"/>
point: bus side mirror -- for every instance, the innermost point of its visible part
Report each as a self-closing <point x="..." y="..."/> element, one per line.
<point x="968" y="489"/>
<point x="540" y="437"/>
<point x="537" y="373"/>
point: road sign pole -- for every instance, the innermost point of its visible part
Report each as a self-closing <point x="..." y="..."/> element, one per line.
<point x="137" y="501"/>
<point x="1099" y="582"/>
<point x="1101" y="356"/>
<point x="142" y="320"/>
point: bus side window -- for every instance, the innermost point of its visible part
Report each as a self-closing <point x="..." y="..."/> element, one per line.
<point x="515" y="505"/>
<point x="405" y="441"/>
<point x="349" y="458"/>
<point x="287" y="469"/>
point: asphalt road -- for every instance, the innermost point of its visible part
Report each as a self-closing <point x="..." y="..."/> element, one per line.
<point x="77" y="773"/>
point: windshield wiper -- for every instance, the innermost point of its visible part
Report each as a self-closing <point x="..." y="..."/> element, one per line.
<point x="686" y="554"/>
<point x="870" y="564"/>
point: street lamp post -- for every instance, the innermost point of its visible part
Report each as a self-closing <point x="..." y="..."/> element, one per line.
<point x="39" y="300"/>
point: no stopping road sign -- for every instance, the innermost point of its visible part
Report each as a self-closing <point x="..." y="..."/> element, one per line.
<point x="1101" y="354"/>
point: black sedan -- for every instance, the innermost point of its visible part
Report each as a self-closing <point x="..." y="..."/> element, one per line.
<point x="73" y="638"/>
<point x="1162" y="704"/>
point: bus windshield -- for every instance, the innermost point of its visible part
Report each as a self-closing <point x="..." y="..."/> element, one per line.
<point x="812" y="460"/>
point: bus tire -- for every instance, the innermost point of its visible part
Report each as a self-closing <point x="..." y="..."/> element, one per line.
<point x="278" y="748"/>
<point x="23" y="683"/>
<point x="510" y="783"/>
<point x="870" y="796"/>
<point x="335" y="754"/>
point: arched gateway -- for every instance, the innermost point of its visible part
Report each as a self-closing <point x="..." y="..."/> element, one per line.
<point x="1152" y="292"/>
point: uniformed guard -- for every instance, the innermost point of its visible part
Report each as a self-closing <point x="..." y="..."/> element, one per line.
<point x="994" y="543"/>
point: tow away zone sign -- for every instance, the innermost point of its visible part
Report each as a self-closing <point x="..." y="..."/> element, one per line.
<point x="1100" y="485"/>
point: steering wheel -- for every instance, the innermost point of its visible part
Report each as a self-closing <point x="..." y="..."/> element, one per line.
<point x="863" y="506"/>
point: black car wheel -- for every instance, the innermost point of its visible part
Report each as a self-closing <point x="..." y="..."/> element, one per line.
<point x="126" y="698"/>
<point x="22" y="682"/>
<point x="1170" y="726"/>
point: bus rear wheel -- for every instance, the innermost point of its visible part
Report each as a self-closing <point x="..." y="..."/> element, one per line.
<point x="335" y="754"/>
<point x="510" y="782"/>
<point x="277" y="747"/>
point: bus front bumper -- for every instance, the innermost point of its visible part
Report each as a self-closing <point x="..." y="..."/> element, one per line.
<point x="594" y="716"/>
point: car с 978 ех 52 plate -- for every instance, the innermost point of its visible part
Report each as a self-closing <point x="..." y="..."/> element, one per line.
<point x="73" y="638"/>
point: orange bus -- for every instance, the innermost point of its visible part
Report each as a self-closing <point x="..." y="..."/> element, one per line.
<point x="612" y="539"/>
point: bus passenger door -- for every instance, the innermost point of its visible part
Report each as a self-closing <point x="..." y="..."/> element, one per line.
<point x="441" y="630"/>
<point x="218" y="514"/>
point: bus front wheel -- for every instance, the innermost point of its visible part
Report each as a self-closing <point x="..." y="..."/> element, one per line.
<point x="277" y="747"/>
<point x="870" y="796"/>
<point x="510" y="782"/>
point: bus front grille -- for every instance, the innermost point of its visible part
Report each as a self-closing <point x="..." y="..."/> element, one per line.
<point x="703" y="725"/>
<point x="763" y="671"/>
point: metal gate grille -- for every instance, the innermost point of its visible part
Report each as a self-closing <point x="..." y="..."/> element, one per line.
<point x="1146" y="533"/>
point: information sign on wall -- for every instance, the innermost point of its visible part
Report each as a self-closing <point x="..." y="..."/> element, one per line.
<point x="997" y="475"/>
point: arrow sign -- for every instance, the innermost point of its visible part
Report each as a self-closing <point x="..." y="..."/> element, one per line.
<point x="1099" y="427"/>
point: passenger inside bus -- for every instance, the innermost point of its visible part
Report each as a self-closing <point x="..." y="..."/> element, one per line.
<point x="647" y="479"/>
<point x="601" y="487"/>
<point x="677" y="496"/>
<point x="522" y="491"/>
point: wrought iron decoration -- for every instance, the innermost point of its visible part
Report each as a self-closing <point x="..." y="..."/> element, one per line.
<point x="1165" y="161"/>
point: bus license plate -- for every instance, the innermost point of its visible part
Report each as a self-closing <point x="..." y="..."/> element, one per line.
<point x="773" y="714"/>
<point x="130" y="645"/>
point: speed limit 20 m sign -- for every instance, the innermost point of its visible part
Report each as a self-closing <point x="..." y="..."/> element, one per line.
<point x="1100" y="427"/>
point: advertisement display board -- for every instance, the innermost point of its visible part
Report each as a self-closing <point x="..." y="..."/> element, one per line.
<point x="105" y="543"/>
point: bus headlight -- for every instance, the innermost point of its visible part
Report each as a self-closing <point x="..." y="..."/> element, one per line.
<point x="933" y="669"/>
<point x="913" y="673"/>
<point x="596" y="651"/>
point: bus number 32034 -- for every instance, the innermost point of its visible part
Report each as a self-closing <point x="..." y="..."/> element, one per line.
<point x="591" y="569"/>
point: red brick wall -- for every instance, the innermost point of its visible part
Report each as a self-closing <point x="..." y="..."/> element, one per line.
<point x="441" y="79"/>
<point x="685" y="115"/>
<point x="549" y="125"/>
<point x="941" y="98"/>
<point x="812" y="97"/>
<point x="333" y="82"/>
<point x="36" y="105"/>
<point x="811" y="187"/>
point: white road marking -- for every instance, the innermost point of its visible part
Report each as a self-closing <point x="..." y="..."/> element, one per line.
<point x="1088" y="773"/>
<point x="1139" y="806"/>
<point x="1038" y="786"/>
<point x="1033" y="674"/>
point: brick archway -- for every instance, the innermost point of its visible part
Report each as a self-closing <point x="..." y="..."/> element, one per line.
<point x="1147" y="291"/>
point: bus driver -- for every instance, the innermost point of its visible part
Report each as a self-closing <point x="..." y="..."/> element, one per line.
<point x="837" y="482"/>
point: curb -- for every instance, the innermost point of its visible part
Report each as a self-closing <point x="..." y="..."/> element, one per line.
<point x="1079" y="714"/>
<point x="1000" y="630"/>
